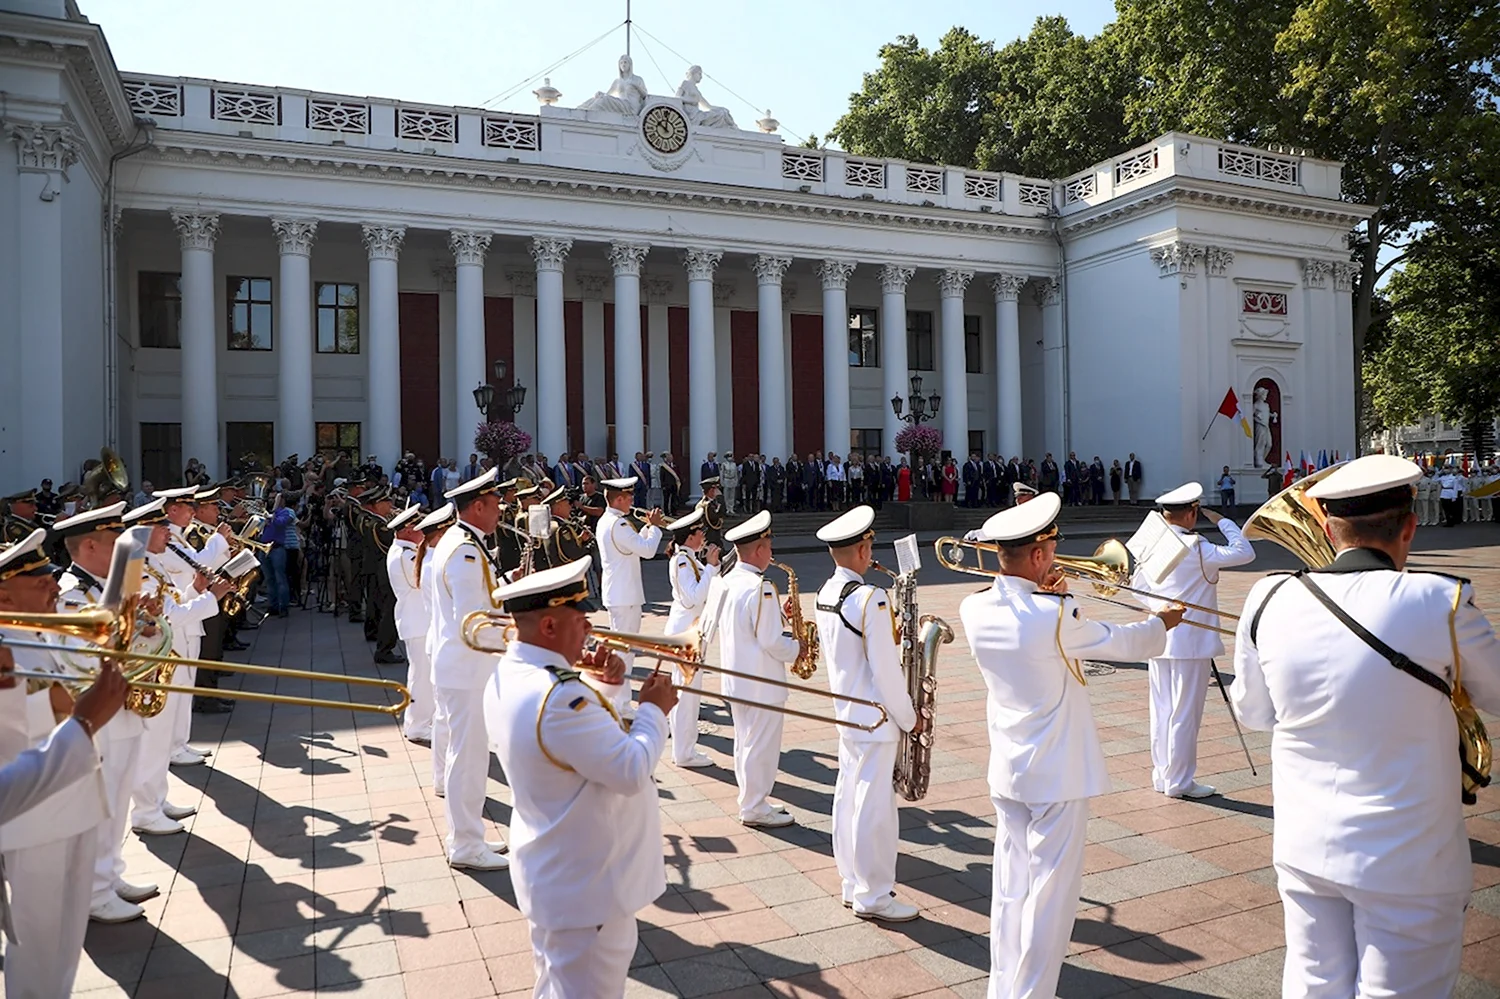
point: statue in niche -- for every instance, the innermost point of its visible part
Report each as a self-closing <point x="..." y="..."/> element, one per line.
<point x="626" y="95"/>
<point x="1265" y="416"/>
<point x="693" y="100"/>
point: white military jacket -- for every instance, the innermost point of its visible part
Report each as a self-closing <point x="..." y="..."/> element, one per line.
<point x="862" y="656"/>
<point x="186" y="609"/>
<point x="428" y="586"/>
<point x="462" y="579"/>
<point x="1196" y="580"/>
<point x="753" y="635"/>
<point x="621" y="549"/>
<point x="1364" y="757"/>
<point x="690" y="581"/>
<point x="1030" y="646"/>
<point x="585" y="829"/>
<point x="412" y="617"/>
<point x="79" y="587"/>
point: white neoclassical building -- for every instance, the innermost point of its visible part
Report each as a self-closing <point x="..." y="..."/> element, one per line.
<point x="193" y="268"/>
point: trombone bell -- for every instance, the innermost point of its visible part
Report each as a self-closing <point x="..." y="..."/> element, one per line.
<point x="477" y="622"/>
<point x="1107" y="568"/>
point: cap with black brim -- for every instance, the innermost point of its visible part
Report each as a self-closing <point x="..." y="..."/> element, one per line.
<point x="849" y="529"/>
<point x="1025" y="524"/>
<point x="564" y="586"/>
<point x="1373" y="484"/>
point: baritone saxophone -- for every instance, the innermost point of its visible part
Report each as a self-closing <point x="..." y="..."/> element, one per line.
<point x="920" y="636"/>
<point x="803" y="630"/>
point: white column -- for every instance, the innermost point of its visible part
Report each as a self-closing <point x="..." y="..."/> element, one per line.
<point x="955" y="411"/>
<point x="295" y="430"/>
<point x="703" y="416"/>
<point x="447" y="282"/>
<point x="1054" y="373"/>
<point x="200" y="348"/>
<point x="469" y="248"/>
<point x="523" y="341"/>
<point x="1007" y="289"/>
<point x="383" y="244"/>
<point x="835" y="274"/>
<point x="893" y="280"/>
<point x="551" y="346"/>
<point x="630" y="416"/>
<point x="771" y="344"/>
<point x="658" y="347"/>
<point x="724" y="364"/>
<point x="595" y="429"/>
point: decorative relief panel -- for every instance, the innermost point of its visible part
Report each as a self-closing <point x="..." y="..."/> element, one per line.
<point x="426" y="126"/>
<point x="981" y="188"/>
<point x="864" y="173"/>
<point x="1265" y="314"/>
<point x="254" y="106"/>
<point x="1036" y="196"/>
<point x="1257" y="165"/>
<point x="160" y="100"/>
<point x="922" y="180"/>
<point x="1263" y="303"/>
<point x="337" y="116"/>
<point x="1135" y="167"/>
<point x="802" y="166"/>
<point x="1077" y="190"/>
<point x="509" y="132"/>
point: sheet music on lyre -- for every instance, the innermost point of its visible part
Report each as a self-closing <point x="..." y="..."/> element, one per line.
<point x="1156" y="548"/>
<point x="908" y="554"/>
<point x="713" y="607"/>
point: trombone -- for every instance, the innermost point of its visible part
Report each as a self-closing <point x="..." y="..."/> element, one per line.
<point x="1107" y="569"/>
<point x="684" y="652"/>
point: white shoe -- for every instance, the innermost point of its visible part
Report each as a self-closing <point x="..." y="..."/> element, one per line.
<point x="439" y="792"/>
<point x="849" y="903"/>
<point x="891" y="912"/>
<point x="205" y="753"/>
<point x="135" y="893"/>
<point x="486" y="861"/>
<point x="115" y="910"/>
<point x="498" y="845"/>
<point x="1194" y="790"/>
<point x="162" y="826"/>
<point x="696" y="762"/>
<point x="771" y="820"/>
<point x="179" y="812"/>
<point x="186" y="758"/>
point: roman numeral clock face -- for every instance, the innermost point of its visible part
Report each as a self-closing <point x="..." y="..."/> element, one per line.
<point x="665" y="129"/>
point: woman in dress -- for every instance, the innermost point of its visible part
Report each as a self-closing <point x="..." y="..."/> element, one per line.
<point x="950" y="481"/>
<point x="1116" y="476"/>
<point x="903" y="482"/>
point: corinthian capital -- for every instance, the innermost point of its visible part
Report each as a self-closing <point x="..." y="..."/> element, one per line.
<point x="592" y="286"/>
<point x="1048" y="291"/>
<point x="549" y="252"/>
<point x="1345" y="274"/>
<point x="1007" y="287"/>
<point x="468" y="245"/>
<point x="952" y="282"/>
<point x="769" y="269"/>
<point x="894" y="277"/>
<point x="835" y="274"/>
<point x="198" y="230"/>
<point x="628" y="257"/>
<point x="701" y="264"/>
<point x="1218" y="260"/>
<point x="1177" y="257"/>
<point x="43" y="147"/>
<point x="1315" y="273"/>
<point x="295" y="236"/>
<point x="383" y="242"/>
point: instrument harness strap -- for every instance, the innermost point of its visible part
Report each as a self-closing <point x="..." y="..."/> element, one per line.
<point x="838" y="606"/>
<point x="1396" y="659"/>
<point x="1255" y="621"/>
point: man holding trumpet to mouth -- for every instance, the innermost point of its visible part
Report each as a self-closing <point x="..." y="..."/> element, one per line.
<point x="585" y="828"/>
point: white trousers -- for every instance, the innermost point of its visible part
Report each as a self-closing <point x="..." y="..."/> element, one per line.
<point x="1178" y="687"/>
<point x="439" y="744"/>
<point x="417" y="719"/>
<point x="184" y="676"/>
<point x="683" y="719"/>
<point x="757" y="757"/>
<point x="120" y="762"/>
<point x="149" y="792"/>
<point x="1346" y="942"/>
<point x="49" y="903"/>
<point x="1037" y="876"/>
<point x="624" y="619"/>
<point x="589" y="963"/>
<point x="468" y="766"/>
<point x="865" y="824"/>
<point x="731" y="498"/>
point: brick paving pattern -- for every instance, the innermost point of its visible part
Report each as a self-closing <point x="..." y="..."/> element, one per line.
<point x="314" y="865"/>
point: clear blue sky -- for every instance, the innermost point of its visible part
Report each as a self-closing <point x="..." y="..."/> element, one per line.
<point x="800" y="58"/>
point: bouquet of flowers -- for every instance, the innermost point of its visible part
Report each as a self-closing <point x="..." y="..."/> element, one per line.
<point x="919" y="440"/>
<point x="501" y="440"/>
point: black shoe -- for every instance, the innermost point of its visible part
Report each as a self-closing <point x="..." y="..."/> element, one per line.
<point x="209" y="706"/>
<point x="389" y="659"/>
<point x="235" y="646"/>
<point x="356" y="618"/>
<point x="283" y="613"/>
<point x="249" y="626"/>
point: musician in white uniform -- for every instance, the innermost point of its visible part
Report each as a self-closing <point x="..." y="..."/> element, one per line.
<point x="621" y="548"/>
<point x="47" y="854"/>
<point x="586" y="820"/>
<point x="413" y="621"/>
<point x="432" y="527"/>
<point x="463" y="578"/>
<point x="1030" y="641"/>
<point x="186" y="606"/>
<point x="90" y="540"/>
<point x="1370" y="850"/>
<point x="692" y="574"/>
<point x="857" y="628"/>
<point x="754" y="638"/>
<point x="1179" y="676"/>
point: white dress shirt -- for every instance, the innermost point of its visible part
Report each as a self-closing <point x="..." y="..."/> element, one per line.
<point x="412" y="617"/>
<point x="1030" y="648"/>
<point x="1364" y="758"/>
<point x="690" y="582"/>
<point x="866" y="665"/>
<point x="463" y="578"/>
<point x="1196" y="581"/>
<point x="621" y="548"/>
<point x="753" y="636"/>
<point x="585" y="829"/>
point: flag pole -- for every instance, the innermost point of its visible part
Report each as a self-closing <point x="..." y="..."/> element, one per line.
<point x="1210" y="426"/>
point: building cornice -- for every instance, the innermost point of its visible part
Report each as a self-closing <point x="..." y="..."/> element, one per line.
<point x="81" y="48"/>
<point x="1185" y="192"/>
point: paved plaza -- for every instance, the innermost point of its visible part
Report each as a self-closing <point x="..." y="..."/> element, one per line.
<point x="314" y="865"/>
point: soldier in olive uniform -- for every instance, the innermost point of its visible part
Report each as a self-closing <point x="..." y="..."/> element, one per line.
<point x="570" y="541"/>
<point x="380" y="610"/>
<point x="18" y="516"/>
<point x="506" y="543"/>
<point x="712" y="505"/>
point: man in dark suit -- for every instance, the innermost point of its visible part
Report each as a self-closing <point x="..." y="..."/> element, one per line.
<point x="710" y="467"/>
<point x="642" y="472"/>
<point x="471" y="470"/>
<point x="989" y="475"/>
<point x="750" y="474"/>
<point x="1096" y="481"/>
<point x="1049" y="475"/>
<point x="874" y="489"/>
<point x="1072" y="479"/>
<point x="970" y="477"/>
<point x="1133" y="477"/>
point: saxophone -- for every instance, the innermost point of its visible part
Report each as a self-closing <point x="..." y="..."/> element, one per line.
<point x="803" y="630"/>
<point x="920" y="637"/>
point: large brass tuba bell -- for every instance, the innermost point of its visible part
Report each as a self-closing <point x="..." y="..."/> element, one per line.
<point x="1295" y="522"/>
<point x="109" y="476"/>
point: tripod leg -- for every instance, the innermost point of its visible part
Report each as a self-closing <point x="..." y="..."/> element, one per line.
<point x="1219" y="680"/>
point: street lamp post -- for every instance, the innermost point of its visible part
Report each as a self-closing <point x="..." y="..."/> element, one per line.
<point x="495" y="406"/>
<point x="923" y="408"/>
